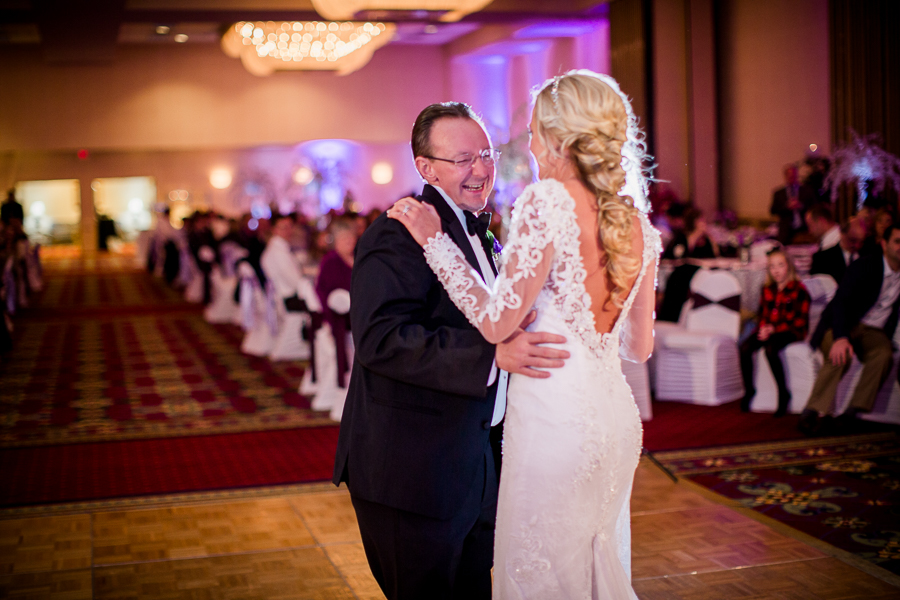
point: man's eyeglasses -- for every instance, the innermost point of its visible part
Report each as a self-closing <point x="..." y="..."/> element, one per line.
<point x="488" y="157"/>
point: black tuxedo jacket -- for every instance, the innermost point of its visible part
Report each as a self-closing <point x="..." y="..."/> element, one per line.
<point x="856" y="294"/>
<point x="417" y="418"/>
<point x="829" y="262"/>
<point x="807" y="197"/>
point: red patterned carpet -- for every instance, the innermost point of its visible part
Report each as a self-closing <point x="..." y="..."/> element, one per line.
<point x="117" y="387"/>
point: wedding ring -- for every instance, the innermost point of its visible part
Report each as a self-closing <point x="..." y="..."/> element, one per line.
<point x="405" y="210"/>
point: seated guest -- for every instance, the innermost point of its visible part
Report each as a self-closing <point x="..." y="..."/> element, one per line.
<point x="834" y="260"/>
<point x="859" y="321"/>
<point x="280" y="265"/>
<point x="783" y="320"/>
<point x="820" y="222"/>
<point x="693" y="241"/>
<point x="334" y="276"/>
<point x="789" y="203"/>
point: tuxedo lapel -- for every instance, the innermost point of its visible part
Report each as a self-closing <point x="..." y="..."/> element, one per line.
<point x="451" y="225"/>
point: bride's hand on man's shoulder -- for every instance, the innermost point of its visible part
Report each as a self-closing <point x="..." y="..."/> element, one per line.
<point x="419" y="218"/>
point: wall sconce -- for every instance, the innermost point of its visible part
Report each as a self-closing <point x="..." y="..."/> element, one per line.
<point x="220" y="178"/>
<point x="382" y="173"/>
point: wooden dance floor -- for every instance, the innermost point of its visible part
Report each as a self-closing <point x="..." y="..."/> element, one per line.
<point x="303" y="543"/>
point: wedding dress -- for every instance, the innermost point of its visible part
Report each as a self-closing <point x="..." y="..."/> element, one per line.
<point x="571" y="441"/>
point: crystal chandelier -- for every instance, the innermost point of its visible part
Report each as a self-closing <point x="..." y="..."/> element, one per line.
<point x="264" y="47"/>
<point x="453" y="10"/>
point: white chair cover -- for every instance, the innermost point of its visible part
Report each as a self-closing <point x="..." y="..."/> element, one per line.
<point x="289" y="343"/>
<point x="699" y="362"/>
<point x="258" y="337"/>
<point x="222" y="307"/>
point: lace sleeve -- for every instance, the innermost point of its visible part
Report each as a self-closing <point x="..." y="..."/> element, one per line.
<point x="636" y="336"/>
<point x="524" y="265"/>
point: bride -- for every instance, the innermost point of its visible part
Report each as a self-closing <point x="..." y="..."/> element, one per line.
<point x="581" y="254"/>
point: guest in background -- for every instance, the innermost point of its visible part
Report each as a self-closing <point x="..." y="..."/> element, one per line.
<point x="783" y="320"/>
<point x="11" y="211"/>
<point x="834" y="260"/>
<point x="694" y="240"/>
<point x="334" y="276"/>
<point x="790" y="203"/>
<point x="821" y="225"/>
<point x="279" y="264"/>
<point x="860" y="321"/>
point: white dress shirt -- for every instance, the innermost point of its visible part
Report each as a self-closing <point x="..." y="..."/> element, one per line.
<point x="281" y="267"/>
<point x="881" y="310"/>
<point x="831" y="238"/>
<point x="500" y="402"/>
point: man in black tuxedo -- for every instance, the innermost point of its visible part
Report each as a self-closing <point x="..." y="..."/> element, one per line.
<point x="860" y="320"/>
<point x="834" y="261"/>
<point x="419" y="440"/>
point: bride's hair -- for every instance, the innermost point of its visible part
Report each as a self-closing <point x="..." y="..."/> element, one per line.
<point x="584" y="115"/>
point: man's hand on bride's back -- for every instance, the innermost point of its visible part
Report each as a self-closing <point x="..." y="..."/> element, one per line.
<point x="421" y="219"/>
<point x="524" y="352"/>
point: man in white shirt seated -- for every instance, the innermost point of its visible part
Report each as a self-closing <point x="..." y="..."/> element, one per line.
<point x="860" y="321"/>
<point x="279" y="263"/>
<point x="820" y="222"/>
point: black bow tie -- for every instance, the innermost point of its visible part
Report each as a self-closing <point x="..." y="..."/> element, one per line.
<point x="477" y="225"/>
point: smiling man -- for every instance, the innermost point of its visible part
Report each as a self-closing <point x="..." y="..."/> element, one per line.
<point x="420" y="434"/>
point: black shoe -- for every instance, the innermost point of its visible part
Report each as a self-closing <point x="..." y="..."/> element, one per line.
<point x="846" y="422"/>
<point x="784" y="400"/>
<point x="746" y="400"/>
<point x="809" y="422"/>
<point x="782" y="410"/>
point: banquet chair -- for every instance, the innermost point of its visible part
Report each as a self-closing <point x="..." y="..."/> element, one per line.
<point x="223" y="280"/>
<point x="257" y="315"/>
<point x="697" y="361"/>
<point x="330" y="394"/>
<point x="801" y="362"/>
<point x="289" y="343"/>
<point x="191" y="277"/>
<point x="887" y="402"/>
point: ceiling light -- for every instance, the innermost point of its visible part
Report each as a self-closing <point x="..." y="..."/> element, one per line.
<point x="453" y="10"/>
<point x="303" y="175"/>
<point x="180" y="38"/>
<point x="305" y="45"/>
<point x="162" y="29"/>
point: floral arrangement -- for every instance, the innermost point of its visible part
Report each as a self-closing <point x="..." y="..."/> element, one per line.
<point x="865" y="164"/>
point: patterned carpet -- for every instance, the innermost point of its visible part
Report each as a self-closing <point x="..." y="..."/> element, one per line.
<point x="843" y="491"/>
<point x="107" y="352"/>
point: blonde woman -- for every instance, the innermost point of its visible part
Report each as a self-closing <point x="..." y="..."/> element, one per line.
<point x="584" y="256"/>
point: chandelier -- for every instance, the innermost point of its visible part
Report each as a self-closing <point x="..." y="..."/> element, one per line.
<point x="453" y="10"/>
<point x="265" y="47"/>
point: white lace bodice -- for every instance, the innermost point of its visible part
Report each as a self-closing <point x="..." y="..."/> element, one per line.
<point x="541" y="265"/>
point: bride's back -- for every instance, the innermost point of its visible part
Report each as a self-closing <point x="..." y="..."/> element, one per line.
<point x="593" y="256"/>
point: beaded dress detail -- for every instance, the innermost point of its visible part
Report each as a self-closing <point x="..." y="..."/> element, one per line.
<point x="571" y="441"/>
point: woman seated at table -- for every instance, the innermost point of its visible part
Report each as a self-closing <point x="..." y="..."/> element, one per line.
<point x="693" y="241"/>
<point x="783" y="319"/>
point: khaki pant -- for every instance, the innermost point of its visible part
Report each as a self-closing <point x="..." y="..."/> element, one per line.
<point x="873" y="348"/>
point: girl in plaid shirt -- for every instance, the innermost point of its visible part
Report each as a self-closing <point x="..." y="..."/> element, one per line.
<point x="783" y="319"/>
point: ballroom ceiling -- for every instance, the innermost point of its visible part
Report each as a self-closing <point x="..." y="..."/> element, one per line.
<point x="69" y="31"/>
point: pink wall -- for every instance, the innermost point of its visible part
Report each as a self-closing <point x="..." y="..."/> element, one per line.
<point x="193" y="96"/>
<point x="775" y="98"/>
<point x="670" y="89"/>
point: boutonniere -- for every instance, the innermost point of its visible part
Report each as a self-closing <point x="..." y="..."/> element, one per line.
<point x="496" y="248"/>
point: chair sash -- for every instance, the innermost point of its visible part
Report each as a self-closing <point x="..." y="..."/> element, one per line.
<point x="731" y="302"/>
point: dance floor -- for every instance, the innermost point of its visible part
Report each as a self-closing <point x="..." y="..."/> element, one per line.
<point x="131" y="471"/>
<point x="304" y="543"/>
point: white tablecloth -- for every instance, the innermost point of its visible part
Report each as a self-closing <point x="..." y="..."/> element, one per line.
<point x="751" y="276"/>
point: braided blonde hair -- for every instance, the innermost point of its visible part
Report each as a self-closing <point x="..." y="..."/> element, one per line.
<point x="581" y="116"/>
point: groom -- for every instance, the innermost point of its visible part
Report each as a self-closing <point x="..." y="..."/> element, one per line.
<point x="419" y="439"/>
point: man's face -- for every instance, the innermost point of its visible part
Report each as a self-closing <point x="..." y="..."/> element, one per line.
<point x="852" y="241"/>
<point x="455" y="139"/>
<point x="892" y="249"/>
<point x="283" y="228"/>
